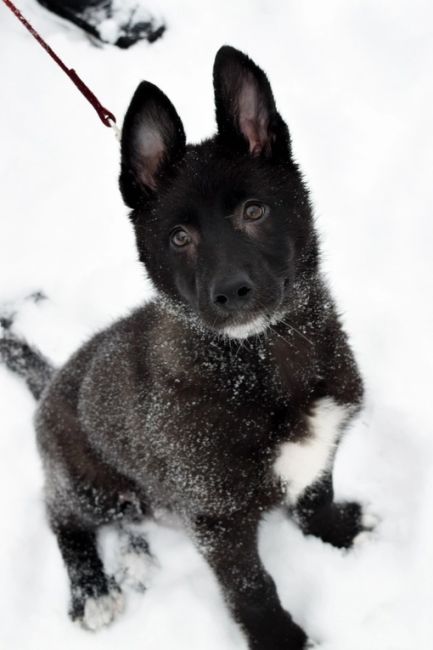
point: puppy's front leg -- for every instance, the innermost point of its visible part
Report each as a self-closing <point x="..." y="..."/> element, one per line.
<point x="305" y="469"/>
<point x="230" y="547"/>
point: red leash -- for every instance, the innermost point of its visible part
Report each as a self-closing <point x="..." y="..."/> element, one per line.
<point x="105" y="115"/>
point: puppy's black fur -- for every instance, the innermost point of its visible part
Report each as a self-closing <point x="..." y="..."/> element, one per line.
<point x="208" y="400"/>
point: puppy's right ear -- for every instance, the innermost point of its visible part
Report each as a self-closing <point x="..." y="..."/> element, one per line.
<point x="153" y="139"/>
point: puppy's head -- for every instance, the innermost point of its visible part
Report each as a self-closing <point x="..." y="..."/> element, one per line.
<point x="223" y="227"/>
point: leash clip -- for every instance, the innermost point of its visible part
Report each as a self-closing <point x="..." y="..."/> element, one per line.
<point x="113" y="124"/>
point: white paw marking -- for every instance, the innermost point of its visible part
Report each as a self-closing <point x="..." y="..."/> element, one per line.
<point x="99" y="612"/>
<point x="362" y="538"/>
<point x="300" y="464"/>
<point x="370" y="520"/>
<point x="136" y="570"/>
<point x="137" y="565"/>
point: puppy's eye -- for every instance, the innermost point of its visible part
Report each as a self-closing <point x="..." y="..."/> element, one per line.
<point x="253" y="210"/>
<point x="180" y="238"/>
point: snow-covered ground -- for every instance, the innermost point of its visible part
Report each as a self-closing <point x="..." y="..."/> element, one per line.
<point x="354" y="81"/>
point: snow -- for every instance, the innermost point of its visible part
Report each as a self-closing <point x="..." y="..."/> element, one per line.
<point x="354" y="82"/>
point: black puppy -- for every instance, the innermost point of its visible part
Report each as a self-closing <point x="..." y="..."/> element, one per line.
<point x="227" y="395"/>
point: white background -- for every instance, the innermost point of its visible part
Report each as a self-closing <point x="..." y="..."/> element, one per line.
<point x="354" y="81"/>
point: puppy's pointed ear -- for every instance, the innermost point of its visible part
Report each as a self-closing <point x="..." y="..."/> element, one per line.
<point x="153" y="140"/>
<point x="246" y="114"/>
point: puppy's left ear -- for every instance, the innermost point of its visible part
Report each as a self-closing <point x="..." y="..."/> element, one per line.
<point x="246" y="114"/>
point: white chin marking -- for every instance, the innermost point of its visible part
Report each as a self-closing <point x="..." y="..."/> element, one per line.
<point x="301" y="464"/>
<point x="255" y="326"/>
<point x="99" y="612"/>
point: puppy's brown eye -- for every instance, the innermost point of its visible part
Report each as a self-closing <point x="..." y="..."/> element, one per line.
<point x="253" y="211"/>
<point x="180" y="238"/>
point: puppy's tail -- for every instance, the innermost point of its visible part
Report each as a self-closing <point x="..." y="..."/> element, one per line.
<point x="18" y="356"/>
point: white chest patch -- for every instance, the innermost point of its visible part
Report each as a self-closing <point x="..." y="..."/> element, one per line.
<point x="300" y="464"/>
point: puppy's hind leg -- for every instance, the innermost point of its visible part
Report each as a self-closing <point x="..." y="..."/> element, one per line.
<point x="95" y="598"/>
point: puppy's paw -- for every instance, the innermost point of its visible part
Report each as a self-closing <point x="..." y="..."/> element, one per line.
<point x="370" y="522"/>
<point x="101" y="611"/>
<point x="337" y="524"/>
<point x="97" y="606"/>
<point x="347" y="524"/>
<point x="137" y="565"/>
<point x="136" y="570"/>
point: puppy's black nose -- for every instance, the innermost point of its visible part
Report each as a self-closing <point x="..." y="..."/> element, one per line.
<point x="232" y="293"/>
